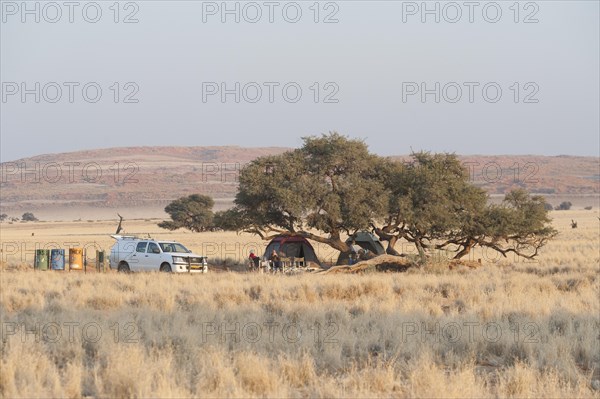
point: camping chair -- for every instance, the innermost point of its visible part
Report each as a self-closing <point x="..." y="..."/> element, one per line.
<point x="264" y="266"/>
<point x="286" y="264"/>
<point x="275" y="266"/>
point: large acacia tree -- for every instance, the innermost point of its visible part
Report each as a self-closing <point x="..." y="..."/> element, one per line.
<point x="519" y="225"/>
<point x="430" y="199"/>
<point x="434" y="206"/>
<point x="325" y="189"/>
<point x="332" y="186"/>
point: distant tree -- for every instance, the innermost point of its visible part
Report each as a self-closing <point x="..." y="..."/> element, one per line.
<point x="29" y="217"/>
<point x="3" y="217"/>
<point x="193" y="213"/>
<point x="588" y="208"/>
<point x="548" y="206"/>
<point x="564" y="206"/>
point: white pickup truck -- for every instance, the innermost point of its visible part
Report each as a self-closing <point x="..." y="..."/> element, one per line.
<point x="134" y="254"/>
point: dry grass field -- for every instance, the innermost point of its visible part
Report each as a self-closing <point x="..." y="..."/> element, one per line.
<point x="506" y="329"/>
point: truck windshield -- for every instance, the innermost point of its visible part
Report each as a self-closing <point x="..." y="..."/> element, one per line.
<point x="172" y="247"/>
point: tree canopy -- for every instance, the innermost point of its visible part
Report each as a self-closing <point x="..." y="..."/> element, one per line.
<point x="430" y="199"/>
<point x="330" y="185"/>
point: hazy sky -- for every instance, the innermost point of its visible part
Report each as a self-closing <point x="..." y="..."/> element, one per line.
<point x="510" y="78"/>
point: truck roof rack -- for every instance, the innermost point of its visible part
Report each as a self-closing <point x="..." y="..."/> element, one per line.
<point x="120" y="237"/>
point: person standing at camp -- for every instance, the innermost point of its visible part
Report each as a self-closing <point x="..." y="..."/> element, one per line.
<point x="275" y="260"/>
<point x="354" y="253"/>
<point x="254" y="260"/>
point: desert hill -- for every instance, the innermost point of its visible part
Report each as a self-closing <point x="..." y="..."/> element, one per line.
<point x="134" y="177"/>
<point x="150" y="177"/>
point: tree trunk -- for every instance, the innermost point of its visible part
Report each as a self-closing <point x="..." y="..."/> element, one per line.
<point x="383" y="235"/>
<point x="340" y="245"/>
<point x="344" y="249"/>
<point x="422" y="257"/>
<point x="466" y="249"/>
<point x="390" y="247"/>
<point x="334" y="242"/>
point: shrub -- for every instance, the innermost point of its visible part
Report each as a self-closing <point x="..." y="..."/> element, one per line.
<point x="564" y="206"/>
<point x="29" y="217"/>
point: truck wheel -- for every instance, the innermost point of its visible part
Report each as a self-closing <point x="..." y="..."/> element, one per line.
<point x="123" y="267"/>
<point x="165" y="267"/>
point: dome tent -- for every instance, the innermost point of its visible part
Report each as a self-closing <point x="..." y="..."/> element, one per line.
<point x="292" y="247"/>
<point x="367" y="241"/>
